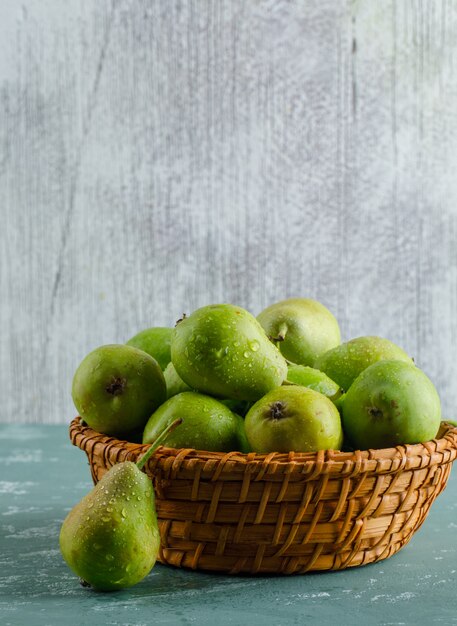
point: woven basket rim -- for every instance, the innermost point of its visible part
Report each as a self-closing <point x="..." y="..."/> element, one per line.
<point x="379" y="460"/>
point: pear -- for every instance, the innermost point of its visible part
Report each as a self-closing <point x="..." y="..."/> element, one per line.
<point x="241" y="407"/>
<point x="293" y="418"/>
<point x="116" y="388"/>
<point x="111" y="539"/>
<point x="174" y="382"/>
<point x="314" y="379"/>
<point x="156" y="342"/>
<point x="345" y="362"/>
<point x="390" y="403"/>
<point x="302" y="328"/>
<point x="222" y="350"/>
<point x="175" y="385"/>
<point x="208" y="424"/>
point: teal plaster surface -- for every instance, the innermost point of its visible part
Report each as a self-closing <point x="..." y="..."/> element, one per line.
<point x="42" y="476"/>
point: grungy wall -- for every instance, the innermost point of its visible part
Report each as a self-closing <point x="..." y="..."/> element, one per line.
<point x="158" y="156"/>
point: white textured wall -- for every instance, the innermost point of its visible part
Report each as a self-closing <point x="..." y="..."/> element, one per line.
<point x="156" y="156"/>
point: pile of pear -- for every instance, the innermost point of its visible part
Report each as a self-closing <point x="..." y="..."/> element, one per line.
<point x="222" y="380"/>
<point x="280" y="382"/>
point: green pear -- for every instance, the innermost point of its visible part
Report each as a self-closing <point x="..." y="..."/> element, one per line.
<point x="222" y="350"/>
<point x="293" y="418"/>
<point x="111" y="539"/>
<point x="339" y="402"/>
<point x="237" y="406"/>
<point x="391" y="403"/>
<point x="242" y="444"/>
<point x="116" y="388"/>
<point x="175" y="385"/>
<point x="314" y="379"/>
<point x="302" y="328"/>
<point x="156" y="342"/>
<point x="174" y="382"/>
<point x="345" y="362"/>
<point x="207" y="424"/>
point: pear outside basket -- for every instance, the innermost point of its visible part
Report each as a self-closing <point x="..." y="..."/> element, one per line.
<point x="283" y="513"/>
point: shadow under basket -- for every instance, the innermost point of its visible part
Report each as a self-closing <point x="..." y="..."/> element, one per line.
<point x="283" y="513"/>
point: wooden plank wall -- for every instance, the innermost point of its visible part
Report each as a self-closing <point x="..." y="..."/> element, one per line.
<point x="158" y="156"/>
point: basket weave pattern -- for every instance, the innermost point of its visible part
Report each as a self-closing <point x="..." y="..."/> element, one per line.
<point x="283" y="513"/>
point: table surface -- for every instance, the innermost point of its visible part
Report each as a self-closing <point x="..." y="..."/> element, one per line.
<point x="42" y="476"/>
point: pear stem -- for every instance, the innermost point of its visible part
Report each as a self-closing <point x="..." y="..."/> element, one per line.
<point x="282" y="332"/>
<point x="158" y="442"/>
<point x="289" y="382"/>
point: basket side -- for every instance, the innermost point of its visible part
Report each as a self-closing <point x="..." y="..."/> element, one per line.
<point x="213" y="528"/>
<point x="263" y="514"/>
<point x="102" y="451"/>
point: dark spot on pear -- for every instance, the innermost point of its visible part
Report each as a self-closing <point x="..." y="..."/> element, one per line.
<point x="116" y="386"/>
<point x="84" y="583"/>
<point x="277" y="410"/>
<point x="375" y="413"/>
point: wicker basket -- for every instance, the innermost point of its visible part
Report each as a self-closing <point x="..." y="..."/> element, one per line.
<point x="283" y="513"/>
